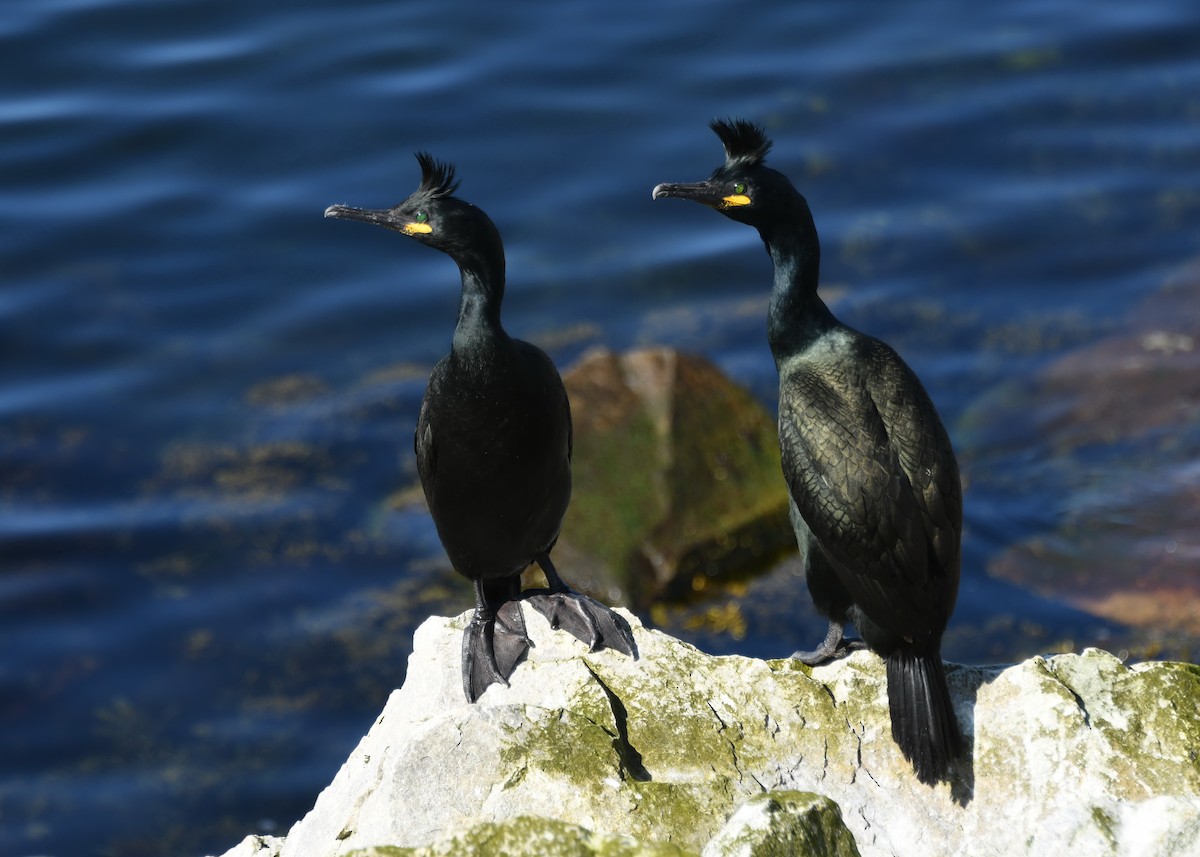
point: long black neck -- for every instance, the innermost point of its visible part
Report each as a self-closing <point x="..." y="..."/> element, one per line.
<point x="482" y="268"/>
<point x="797" y="317"/>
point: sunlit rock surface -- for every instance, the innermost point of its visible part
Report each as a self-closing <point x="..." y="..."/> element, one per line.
<point x="682" y="753"/>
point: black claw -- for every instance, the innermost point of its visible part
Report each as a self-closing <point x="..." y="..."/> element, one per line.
<point x="583" y="618"/>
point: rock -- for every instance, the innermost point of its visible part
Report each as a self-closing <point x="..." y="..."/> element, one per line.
<point x="676" y="476"/>
<point x="1075" y="754"/>
<point x="676" y="479"/>
<point x="784" y="822"/>
<point x="1111" y="439"/>
<point x="257" y="846"/>
<point x="1087" y="562"/>
<point x="530" y="836"/>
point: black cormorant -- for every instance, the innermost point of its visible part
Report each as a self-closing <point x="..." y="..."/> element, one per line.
<point x="875" y="495"/>
<point x="493" y="444"/>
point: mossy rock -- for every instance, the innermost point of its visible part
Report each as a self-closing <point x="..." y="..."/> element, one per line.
<point x="530" y="836"/>
<point x="676" y="475"/>
<point x="678" y="752"/>
<point x="784" y="824"/>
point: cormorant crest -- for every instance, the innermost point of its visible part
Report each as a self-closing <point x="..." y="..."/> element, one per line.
<point x="745" y="143"/>
<point x="437" y="177"/>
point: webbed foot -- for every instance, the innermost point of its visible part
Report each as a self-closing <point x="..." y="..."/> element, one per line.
<point x="834" y="645"/>
<point x="585" y="619"/>
<point x="492" y="647"/>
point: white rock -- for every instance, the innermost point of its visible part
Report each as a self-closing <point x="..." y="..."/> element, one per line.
<point x="783" y="823"/>
<point x="257" y="846"/>
<point x="1070" y="754"/>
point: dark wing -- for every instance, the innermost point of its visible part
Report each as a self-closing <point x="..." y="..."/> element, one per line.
<point x="852" y="491"/>
<point x="541" y="366"/>
<point x="924" y="452"/>
<point x="570" y="424"/>
<point x="425" y="449"/>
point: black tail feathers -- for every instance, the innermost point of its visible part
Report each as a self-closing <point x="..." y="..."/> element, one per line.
<point x="923" y="721"/>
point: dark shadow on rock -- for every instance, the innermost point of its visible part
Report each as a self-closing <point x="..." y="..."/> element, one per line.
<point x="965" y="682"/>
<point x="631" y="759"/>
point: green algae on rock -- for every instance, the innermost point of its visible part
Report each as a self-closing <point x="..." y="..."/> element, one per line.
<point x="530" y="836"/>
<point x="676" y="471"/>
<point x="784" y="823"/>
<point x="680" y="749"/>
<point x="796" y="824"/>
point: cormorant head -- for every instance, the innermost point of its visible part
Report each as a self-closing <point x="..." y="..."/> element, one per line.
<point x="743" y="188"/>
<point x="433" y="216"/>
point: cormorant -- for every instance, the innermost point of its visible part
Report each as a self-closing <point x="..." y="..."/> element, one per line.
<point x="493" y="444"/>
<point x="876" y="501"/>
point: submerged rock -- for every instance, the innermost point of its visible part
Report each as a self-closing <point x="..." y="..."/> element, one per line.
<point x="1131" y="559"/>
<point x="676" y="476"/>
<point x="1116" y="423"/>
<point x="681" y="752"/>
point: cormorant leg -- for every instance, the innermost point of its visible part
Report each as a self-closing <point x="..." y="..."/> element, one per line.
<point x="493" y="643"/>
<point x="587" y="620"/>
<point x="832" y="646"/>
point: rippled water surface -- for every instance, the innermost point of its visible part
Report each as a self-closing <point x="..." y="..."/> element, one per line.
<point x="207" y="392"/>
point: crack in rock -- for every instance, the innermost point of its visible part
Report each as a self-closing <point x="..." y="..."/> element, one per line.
<point x="628" y="756"/>
<point x="737" y="765"/>
<point x="716" y="715"/>
<point x="1087" y="718"/>
<point x="858" y="747"/>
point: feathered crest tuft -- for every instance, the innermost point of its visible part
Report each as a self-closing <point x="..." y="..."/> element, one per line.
<point x="437" y="177"/>
<point x="745" y="143"/>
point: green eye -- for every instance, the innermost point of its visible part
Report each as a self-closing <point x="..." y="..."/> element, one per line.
<point x="421" y="217"/>
<point x="740" y="187"/>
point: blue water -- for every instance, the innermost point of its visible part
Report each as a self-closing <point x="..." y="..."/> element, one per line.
<point x="207" y="391"/>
